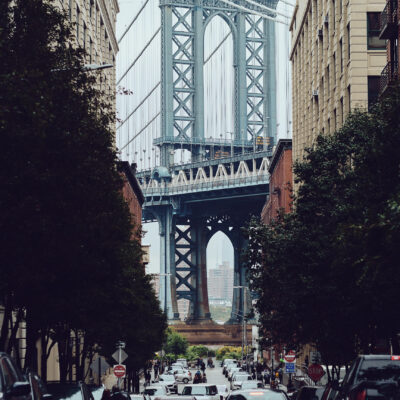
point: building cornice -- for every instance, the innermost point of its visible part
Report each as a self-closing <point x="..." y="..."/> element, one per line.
<point x="108" y="24"/>
<point x="123" y="166"/>
<point x="300" y="28"/>
<point x="283" y="144"/>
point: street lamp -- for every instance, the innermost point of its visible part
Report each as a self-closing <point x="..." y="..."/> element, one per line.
<point x="244" y="320"/>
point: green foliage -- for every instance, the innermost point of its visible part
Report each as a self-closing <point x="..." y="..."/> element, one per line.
<point x="176" y="344"/>
<point x="199" y="350"/>
<point x="327" y="274"/>
<point x="229" y="352"/>
<point x="68" y="259"/>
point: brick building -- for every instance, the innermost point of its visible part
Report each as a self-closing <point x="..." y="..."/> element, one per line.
<point x="281" y="182"/>
<point x="390" y="30"/>
<point x="132" y="193"/>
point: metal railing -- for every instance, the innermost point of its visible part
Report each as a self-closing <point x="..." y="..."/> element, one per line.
<point x="389" y="74"/>
<point x="389" y="14"/>
<point x="223" y="183"/>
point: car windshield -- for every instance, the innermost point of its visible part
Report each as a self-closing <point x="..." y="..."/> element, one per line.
<point x="152" y="391"/>
<point x="379" y="371"/>
<point x="199" y="390"/>
<point x="241" y="377"/>
<point x="65" y="391"/>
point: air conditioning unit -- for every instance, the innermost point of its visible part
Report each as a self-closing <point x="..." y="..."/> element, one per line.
<point x="320" y="33"/>
<point x="326" y="19"/>
<point x="315" y="93"/>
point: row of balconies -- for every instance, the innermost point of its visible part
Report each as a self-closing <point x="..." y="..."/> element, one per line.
<point x="389" y="29"/>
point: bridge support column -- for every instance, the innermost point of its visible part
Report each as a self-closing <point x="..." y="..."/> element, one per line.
<point x="200" y="311"/>
<point x="167" y="264"/>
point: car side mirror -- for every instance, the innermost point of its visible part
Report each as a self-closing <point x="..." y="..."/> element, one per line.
<point x="19" y="389"/>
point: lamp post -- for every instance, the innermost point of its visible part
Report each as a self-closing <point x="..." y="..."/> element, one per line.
<point x="244" y="321"/>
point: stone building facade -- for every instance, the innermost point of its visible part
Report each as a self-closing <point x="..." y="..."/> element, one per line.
<point x="280" y="183"/>
<point x="337" y="59"/>
<point x="94" y="30"/>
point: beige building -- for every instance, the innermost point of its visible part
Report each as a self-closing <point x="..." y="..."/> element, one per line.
<point x="220" y="282"/>
<point x="337" y="59"/>
<point x="95" y="22"/>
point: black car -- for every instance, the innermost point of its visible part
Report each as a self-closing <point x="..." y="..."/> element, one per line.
<point x="257" y="394"/>
<point x="73" y="391"/>
<point x="372" y="377"/>
<point x="38" y="388"/>
<point x="13" y="384"/>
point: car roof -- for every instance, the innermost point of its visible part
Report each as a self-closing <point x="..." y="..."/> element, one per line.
<point x="258" y="390"/>
<point x="376" y="356"/>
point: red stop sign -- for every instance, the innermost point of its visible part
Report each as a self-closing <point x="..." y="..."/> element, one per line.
<point x="315" y="372"/>
<point x="119" y="370"/>
<point x="290" y="356"/>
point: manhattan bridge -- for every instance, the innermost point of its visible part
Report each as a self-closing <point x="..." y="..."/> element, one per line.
<point x="197" y="111"/>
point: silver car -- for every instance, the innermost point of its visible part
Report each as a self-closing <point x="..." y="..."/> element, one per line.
<point x="201" y="391"/>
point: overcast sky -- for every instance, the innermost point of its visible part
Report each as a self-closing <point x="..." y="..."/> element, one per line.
<point x="140" y="49"/>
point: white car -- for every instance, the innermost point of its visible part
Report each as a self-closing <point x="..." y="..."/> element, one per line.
<point x="150" y="392"/>
<point x="250" y="385"/>
<point x="222" y="391"/>
<point x="169" y="381"/>
<point x="201" y="391"/>
<point x="182" y="375"/>
<point x="238" y="379"/>
<point x="232" y="371"/>
<point x="182" y="361"/>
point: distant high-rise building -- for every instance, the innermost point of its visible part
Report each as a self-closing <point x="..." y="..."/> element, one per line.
<point x="220" y="282"/>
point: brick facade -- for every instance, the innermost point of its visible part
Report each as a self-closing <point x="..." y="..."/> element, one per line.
<point x="281" y="182"/>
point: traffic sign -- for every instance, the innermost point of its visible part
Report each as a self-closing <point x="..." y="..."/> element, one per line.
<point x="117" y="353"/>
<point x="315" y="372"/>
<point x="290" y="357"/>
<point x="290" y="368"/>
<point x="100" y="366"/>
<point x="315" y="357"/>
<point x="119" y="371"/>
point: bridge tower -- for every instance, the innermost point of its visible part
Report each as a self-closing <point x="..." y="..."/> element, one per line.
<point x="185" y="230"/>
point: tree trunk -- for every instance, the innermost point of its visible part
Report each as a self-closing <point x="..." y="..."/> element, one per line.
<point x="31" y="339"/>
<point x="43" y="357"/>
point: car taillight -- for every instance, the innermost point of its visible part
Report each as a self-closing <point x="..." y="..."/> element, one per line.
<point x="395" y="358"/>
<point x="361" y="395"/>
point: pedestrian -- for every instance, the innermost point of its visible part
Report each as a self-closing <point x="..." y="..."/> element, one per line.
<point x="155" y="371"/>
<point x="203" y="366"/>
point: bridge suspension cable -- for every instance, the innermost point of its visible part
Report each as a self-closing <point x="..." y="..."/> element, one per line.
<point x="139" y="55"/>
<point x="248" y="10"/>
<point x="133" y="20"/>
<point x="254" y="3"/>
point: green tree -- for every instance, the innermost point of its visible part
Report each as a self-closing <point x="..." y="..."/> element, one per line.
<point x="69" y="263"/>
<point x="175" y="343"/>
<point x="326" y="274"/>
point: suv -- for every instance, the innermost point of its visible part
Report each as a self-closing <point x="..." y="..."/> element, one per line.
<point x="13" y="384"/>
<point x="372" y="377"/>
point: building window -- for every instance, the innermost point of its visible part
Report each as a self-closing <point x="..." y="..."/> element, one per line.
<point x="348" y="98"/>
<point x="341" y="55"/>
<point x="373" y="30"/>
<point x="373" y="90"/>
<point x="348" y="42"/>
<point x="333" y="16"/>
<point x="77" y="23"/>
<point x="84" y="35"/>
<point x="341" y="111"/>
<point x="334" y="68"/>
<point x="90" y="51"/>
<point x="328" y="86"/>
<point x="334" y="120"/>
<point x="70" y="10"/>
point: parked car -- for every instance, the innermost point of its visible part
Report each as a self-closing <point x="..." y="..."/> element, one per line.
<point x="150" y="392"/>
<point x="227" y="364"/>
<point x="182" y="361"/>
<point x="76" y="391"/>
<point x="233" y="370"/>
<point x="250" y="385"/>
<point x="13" y="384"/>
<point x="169" y="381"/>
<point x="238" y="379"/>
<point x="259" y="394"/>
<point x="38" y="388"/>
<point x="309" y="393"/>
<point x="183" y="375"/>
<point x="222" y="391"/>
<point x="371" y="377"/>
<point x="204" y="392"/>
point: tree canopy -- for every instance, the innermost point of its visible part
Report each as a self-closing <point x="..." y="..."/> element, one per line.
<point x="328" y="273"/>
<point x="68" y="260"/>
